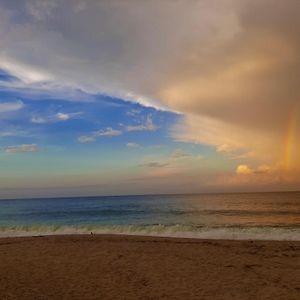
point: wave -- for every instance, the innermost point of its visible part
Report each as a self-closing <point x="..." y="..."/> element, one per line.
<point x="180" y="231"/>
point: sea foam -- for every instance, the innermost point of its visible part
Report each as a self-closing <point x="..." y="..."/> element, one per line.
<point x="180" y="231"/>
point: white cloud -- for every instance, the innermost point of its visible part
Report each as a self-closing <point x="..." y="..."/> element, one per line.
<point x="59" y="117"/>
<point x="11" y="106"/>
<point x="62" y="116"/>
<point x="21" y="148"/>
<point x="38" y="120"/>
<point x="26" y="73"/>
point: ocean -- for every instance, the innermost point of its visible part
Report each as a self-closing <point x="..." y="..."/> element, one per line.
<point x="267" y="216"/>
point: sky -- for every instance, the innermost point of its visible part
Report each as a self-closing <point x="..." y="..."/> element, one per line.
<point x="148" y="97"/>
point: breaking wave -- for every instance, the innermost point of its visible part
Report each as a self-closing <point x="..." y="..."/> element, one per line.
<point x="182" y="231"/>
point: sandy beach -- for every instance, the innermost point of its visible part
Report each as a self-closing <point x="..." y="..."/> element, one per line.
<point x="131" y="267"/>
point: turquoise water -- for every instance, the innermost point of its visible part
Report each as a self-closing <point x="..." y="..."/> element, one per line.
<point x="237" y="216"/>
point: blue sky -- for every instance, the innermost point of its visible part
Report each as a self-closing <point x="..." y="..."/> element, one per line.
<point x="43" y="138"/>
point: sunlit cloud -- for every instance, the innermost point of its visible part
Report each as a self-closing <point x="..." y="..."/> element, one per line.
<point x="243" y="170"/>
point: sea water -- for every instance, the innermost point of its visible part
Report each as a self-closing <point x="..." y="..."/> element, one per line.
<point x="271" y="216"/>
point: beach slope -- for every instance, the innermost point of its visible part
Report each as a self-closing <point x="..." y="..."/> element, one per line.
<point x="131" y="267"/>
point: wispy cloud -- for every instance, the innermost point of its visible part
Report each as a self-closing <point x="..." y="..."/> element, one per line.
<point x="155" y="164"/>
<point x="86" y="139"/>
<point x="93" y="137"/>
<point x="59" y="117"/>
<point x="21" y="148"/>
<point x="24" y="72"/>
<point x="12" y="131"/>
<point x="11" y="106"/>
<point x="179" y="153"/>
<point x="149" y="125"/>
<point x="108" y="132"/>
<point x="38" y="120"/>
<point x="133" y="112"/>
<point x="132" y="145"/>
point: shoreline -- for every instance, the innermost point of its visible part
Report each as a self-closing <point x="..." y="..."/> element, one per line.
<point x="137" y="236"/>
<point x="175" y="237"/>
<point x="135" y="267"/>
<point x="210" y="233"/>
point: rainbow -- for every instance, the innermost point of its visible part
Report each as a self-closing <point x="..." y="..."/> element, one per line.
<point x="290" y="140"/>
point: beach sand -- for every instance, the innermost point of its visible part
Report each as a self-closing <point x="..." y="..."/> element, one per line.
<point x="131" y="267"/>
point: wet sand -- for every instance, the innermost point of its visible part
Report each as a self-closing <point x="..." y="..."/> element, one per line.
<point x="131" y="267"/>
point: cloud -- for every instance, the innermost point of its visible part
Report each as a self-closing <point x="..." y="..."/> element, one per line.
<point x="11" y="106"/>
<point x="62" y="116"/>
<point x="243" y="170"/>
<point x="67" y="116"/>
<point x="261" y="177"/>
<point x="38" y="120"/>
<point x="40" y="9"/>
<point x="99" y="64"/>
<point x="238" y="141"/>
<point x="59" y="117"/>
<point x="155" y="164"/>
<point x="93" y="137"/>
<point x="108" y="132"/>
<point x="133" y="112"/>
<point x="132" y="145"/>
<point x="232" y="73"/>
<point x="24" y="72"/>
<point x="148" y="126"/>
<point x="179" y="153"/>
<point x="13" y="131"/>
<point x="178" y="163"/>
<point x="86" y="139"/>
<point x="261" y="169"/>
<point x="21" y="148"/>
